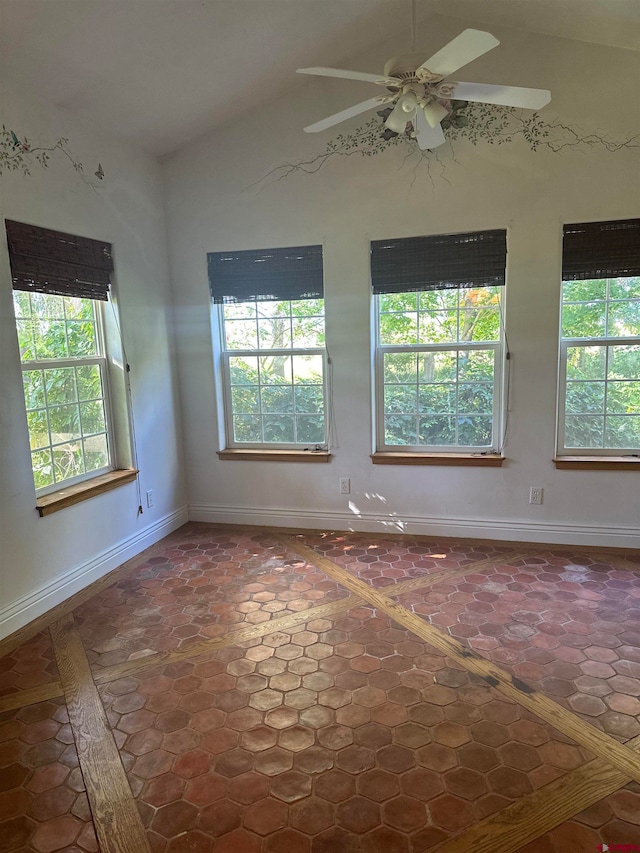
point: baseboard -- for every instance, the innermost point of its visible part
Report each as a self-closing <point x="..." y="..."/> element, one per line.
<point x="19" y="613"/>
<point x="545" y="532"/>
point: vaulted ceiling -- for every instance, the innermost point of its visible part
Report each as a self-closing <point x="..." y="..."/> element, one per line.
<point x="160" y="73"/>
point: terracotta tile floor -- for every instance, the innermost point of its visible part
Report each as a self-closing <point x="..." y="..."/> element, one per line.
<point x="340" y="733"/>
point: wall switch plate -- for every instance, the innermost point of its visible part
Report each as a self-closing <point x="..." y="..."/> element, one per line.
<point x="150" y="498"/>
<point x="535" y="495"/>
<point x="345" y="486"/>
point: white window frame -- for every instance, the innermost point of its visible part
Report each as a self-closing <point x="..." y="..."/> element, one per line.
<point x="452" y="347"/>
<point x="226" y="354"/>
<point x="100" y="359"/>
<point x="565" y="345"/>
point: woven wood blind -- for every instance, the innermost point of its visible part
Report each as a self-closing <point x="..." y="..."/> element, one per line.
<point x="601" y="250"/>
<point x="52" y="262"/>
<point x="266" y="274"/>
<point x="443" y="261"/>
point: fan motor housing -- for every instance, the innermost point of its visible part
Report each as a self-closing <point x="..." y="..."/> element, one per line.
<point x="403" y="67"/>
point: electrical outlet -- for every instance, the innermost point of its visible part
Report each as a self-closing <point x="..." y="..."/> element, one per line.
<point x="345" y="486"/>
<point x="150" y="498"/>
<point x="535" y="495"/>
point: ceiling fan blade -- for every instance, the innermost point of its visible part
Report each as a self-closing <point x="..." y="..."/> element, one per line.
<point x="350" y="75"/>
<point x="398" y="118"/>
<point x="428" y="137"/>
<point x="343" y="115"/>
<point x="506" y="96"/>
<point x="434" y="113"/>
<point x="466" y="47"/>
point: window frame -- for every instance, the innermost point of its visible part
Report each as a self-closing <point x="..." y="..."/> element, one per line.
<point x="605" y="342"/>
<point x="498" y="348"/>
<point x="101" y="360"/>
<point x="226" y="397"/>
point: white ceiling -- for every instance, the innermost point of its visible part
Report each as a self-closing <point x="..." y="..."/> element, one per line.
<point x="160" y="73"/>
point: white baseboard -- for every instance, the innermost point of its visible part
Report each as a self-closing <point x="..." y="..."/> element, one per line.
<point x="545" y="532"/>
<point x="29" y="607"/>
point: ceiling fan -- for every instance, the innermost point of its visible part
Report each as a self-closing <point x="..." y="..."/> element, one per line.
<point x="420" y="96"/>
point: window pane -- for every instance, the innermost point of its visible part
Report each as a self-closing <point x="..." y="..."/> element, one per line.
<point x="476" y="397"/>
<point x="81" y="335"/>
<point x="26" y="340"/>
<point x="439" y="300"/>
<point x="584" y="321"/>
<point x="310" y="428"/>
<point x="584" y="291"/>
<point x="277" y="398"/>
<point x="51" y="339"/>
<point x="400" y="367"/>
<point x="437" y="366"/>
<point x="624" y="362"/>
<point x="480" y="324"/>
<point x="400" y="429"/>
<point x="33" y="384"/>
<point x="624" y="319"/>
<point x="275" y="369"/>
<point x="64" y="422"/>
<point x="78" y="309"/>
<point x="42" y="468"/>
<point x="475" y="365"/>
<point x="585" y="397"/>
<point x="241" y="334"/>
<point x="21" y="303"/>
<point x="586" y="362"/>
<point x="243" y="370"/>
<point x="67" y="461"/>
<point x="274" y="334"/>
<point x="92" y="417"/>
<point x="400" y="398"/>
<point x="438" y="327"/>
<point x="307" y="369"/>
<point x="399" y="329"/>
<point x="398" y="301"/>
<point x="438" y="399"/>
<point x="96" y="452"/>
<point x="247" y="428"/>
<point x="437" y="430"/>
<point x="308" y="332"/>
<point x="47" y="307"/>
<point x="309" y="399"/>
<point x="245" y="400"/>
<point x="475" y="431"/>
<point x="239" y="310"/>
<point x="623" y="432"/>
<point x="89" y="382"/>
<point x="623" y="398"/>
<point x="583" y="431"/>
<point x="60" y="384"/>
<point x="625" y="288"/>
<point x="38" y="429"/>
<point x="278" y="428"/>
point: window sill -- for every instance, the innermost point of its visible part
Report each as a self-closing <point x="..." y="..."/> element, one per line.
<point x="597" y="463"/>
<point x="465" y="459"/>
<point x="276" y="455"/>
<point x="54" y="502"/>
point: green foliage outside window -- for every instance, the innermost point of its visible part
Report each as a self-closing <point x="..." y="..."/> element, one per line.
<point x="65" y="400"/>
<point x="276" y="398"/>
<point x="601" y="328"/>
<point x="440" y="396"/>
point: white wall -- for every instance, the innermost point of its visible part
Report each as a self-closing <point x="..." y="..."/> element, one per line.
<point x="212" y="205"/>
<point x="44" y="560"/>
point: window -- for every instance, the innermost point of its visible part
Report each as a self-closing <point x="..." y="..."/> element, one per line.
<point x="599" y="410"/>
<point x="64" y="377"/>
<point x="60" y="284"/>
<point x="439" y="342"/>
<point x="273" y="357"/>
